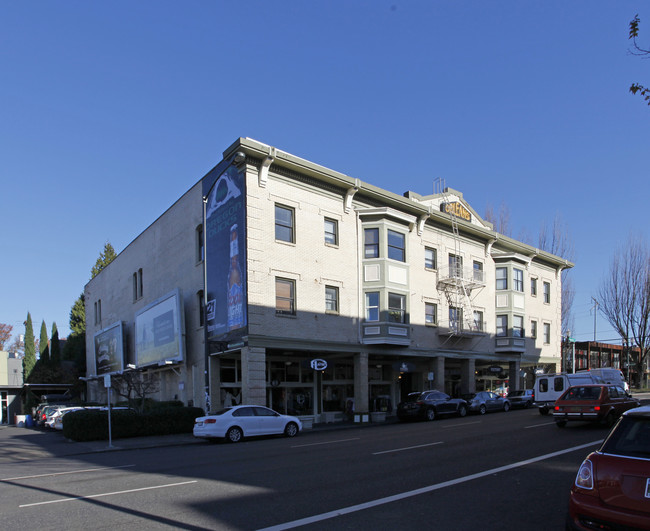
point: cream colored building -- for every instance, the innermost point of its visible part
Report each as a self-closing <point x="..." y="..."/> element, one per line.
<point x="382" y="293"/>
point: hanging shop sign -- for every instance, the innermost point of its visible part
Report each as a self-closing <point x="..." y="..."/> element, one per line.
<point x="495" y="369"/>
<point x="404" y="366"/>
<point x="456" y="209"/>
<point x="318" y="365"/>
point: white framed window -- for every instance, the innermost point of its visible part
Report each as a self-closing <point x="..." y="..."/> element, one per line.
<point x="331" y="299"/>
<point x="396" y="308"/>
<point x="285" y="296"/>
<point x="502" y="278"/>
<point x="478" y="271"/>
<point x="547" y="333"/>
<point x="455" y="266"/>
<point x="372" y="306"/>
<point x="430" y="313"/>
<point x="284" y="224"/>
<point x="517" y="326"/>
<point x="502" y="325"/>
<point x="455" y="318"/>
<point x="371" y="243"/>
<point x="478" y="321"/>
<point x="518" y="279"/>
<point x="331" y="231"/>
<point x="533" y="329"/>
<point x="533" y="287"/>
<point x="547" y="292"/>
<point x="430" y="258"/>
<point x="396" y="246"/>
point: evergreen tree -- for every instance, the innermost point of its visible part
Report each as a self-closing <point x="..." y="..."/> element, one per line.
<point x="29" y="361"/>
<point x="55" y="347"/>
<point x="78" y="316"/>
<point x="43" y="346"/>
<point x="105" y="258"/>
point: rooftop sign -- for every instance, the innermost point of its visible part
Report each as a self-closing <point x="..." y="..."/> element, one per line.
<point x="456" y="209"/>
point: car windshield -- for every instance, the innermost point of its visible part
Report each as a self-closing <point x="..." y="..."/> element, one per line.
<point x="630" y="438"/>
<point x="221" y="411"/>
<point x="516" y="393"/>
<point x="583" y="393"/>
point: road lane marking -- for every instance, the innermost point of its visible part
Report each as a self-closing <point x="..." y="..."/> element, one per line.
<point x="326" y="442"/>
<point x="82" y="471"/>
<point x="463" y="424"/>
<point x="406" y="448"/>
<point x="107" y="494"/>
<point x="538" y="425"/>
<point x="423" y="490"/>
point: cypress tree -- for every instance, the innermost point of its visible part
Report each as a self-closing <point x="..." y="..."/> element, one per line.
<point x="105" y="258"/>
<point x="43" y="346"/>
<point x="29" y="361"/>
<point x="55" y="347"/>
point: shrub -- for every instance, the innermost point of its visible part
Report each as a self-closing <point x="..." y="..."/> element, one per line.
<point x="92" y="425"/>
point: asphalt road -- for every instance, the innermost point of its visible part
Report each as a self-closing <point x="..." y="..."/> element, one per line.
<point x="501" y="471"/>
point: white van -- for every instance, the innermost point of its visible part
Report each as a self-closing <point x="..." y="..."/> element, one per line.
<point x="549" y="387"/>
<point x="610" y="376"/>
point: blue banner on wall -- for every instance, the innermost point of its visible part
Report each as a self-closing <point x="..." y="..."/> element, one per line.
<point x="225" y="257"/>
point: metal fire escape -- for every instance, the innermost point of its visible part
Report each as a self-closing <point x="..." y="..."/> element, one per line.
<point x="457" y="282"/>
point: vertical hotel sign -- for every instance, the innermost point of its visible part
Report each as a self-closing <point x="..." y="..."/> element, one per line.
<point x="225" y="257"/>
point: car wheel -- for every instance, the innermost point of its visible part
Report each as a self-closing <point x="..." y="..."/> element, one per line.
<point x="431" y="414"/>
<point x="234" y="434"/>
<point x="506" y="407"/>
<point x="291" y="429"/>
<point x="482" y="410"/>
<point x="609" y="419"/>
<point x="462" y="411"/>
<point x="560" y="423"/>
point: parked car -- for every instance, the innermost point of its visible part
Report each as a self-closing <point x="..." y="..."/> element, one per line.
<point x="549" y="387"/>
<point x="429" y="405"/>
<point x="595" y="403"/>
<point x="235" y="423"/>
<point x="43" y="413"/>
<point x="57" y="418"/>
<point x="485" y="401"/>
<point x="522" y="398"/>
<point x="612" y="487"/>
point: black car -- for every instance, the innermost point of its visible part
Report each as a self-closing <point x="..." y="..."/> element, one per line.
<point x="429" y="405"/>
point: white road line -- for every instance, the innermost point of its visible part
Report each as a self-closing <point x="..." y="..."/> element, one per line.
<point x="417" y="492"/>
<point x="460" y="425"/>
<point x="326" y="442"/>
<point x="107" y="494"/>
<point x="66" y="472"/>
<point x="407" y="448"/>
<point x="538" y="425"/>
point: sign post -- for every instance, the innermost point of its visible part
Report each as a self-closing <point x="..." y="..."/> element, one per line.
<point x="107" y="385"/>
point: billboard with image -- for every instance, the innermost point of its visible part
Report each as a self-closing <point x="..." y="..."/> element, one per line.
<point x="225" y="255"/>
<point x="160" y="331"/>
<point x="109" y="349"/>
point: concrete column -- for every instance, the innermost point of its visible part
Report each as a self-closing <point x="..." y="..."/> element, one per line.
<point x="468" y="376"/>
<point x="513" y="375"/>
<point x="439" y="373"/>
<point x="361" y="408"/>
<point x="253" y="377"/>
<point x="214" y="369"/>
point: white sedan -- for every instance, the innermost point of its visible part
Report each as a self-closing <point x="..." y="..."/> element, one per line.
<point x="234" y="423"/>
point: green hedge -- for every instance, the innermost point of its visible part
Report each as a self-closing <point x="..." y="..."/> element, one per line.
<point x="92" y="425"/>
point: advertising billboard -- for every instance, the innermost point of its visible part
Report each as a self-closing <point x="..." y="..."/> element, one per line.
<point x="160" y="331"/>
<point x="109" y="349"/>
<point x="225" y="258"/>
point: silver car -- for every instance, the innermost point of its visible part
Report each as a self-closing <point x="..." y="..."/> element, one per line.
<point x="486" y="401"/>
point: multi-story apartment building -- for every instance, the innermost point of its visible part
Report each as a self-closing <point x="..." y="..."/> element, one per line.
<point x="275" y="280"/>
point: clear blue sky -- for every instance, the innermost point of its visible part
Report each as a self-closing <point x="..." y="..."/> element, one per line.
<point x="109" y="111"/>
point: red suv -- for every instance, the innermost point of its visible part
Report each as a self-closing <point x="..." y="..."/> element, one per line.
<point x="596" y="402"/>
<point x="612" y="487"/>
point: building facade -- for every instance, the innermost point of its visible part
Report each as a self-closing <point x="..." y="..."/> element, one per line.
<point x="321" y="295"/>
<point x="11" y="386"/>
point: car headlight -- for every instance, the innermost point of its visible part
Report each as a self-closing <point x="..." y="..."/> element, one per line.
<point x="585" y="477"/>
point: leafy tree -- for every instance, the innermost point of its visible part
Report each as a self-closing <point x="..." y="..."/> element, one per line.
<point x="636" y="88"/>
<point x="29" y="361"/>
<point x="44" y="346"/>
<point x="5" y="334"/>
<point x="55" y="346"/>
<point x="105" y="258"/>
<point x="624" y="299"/>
